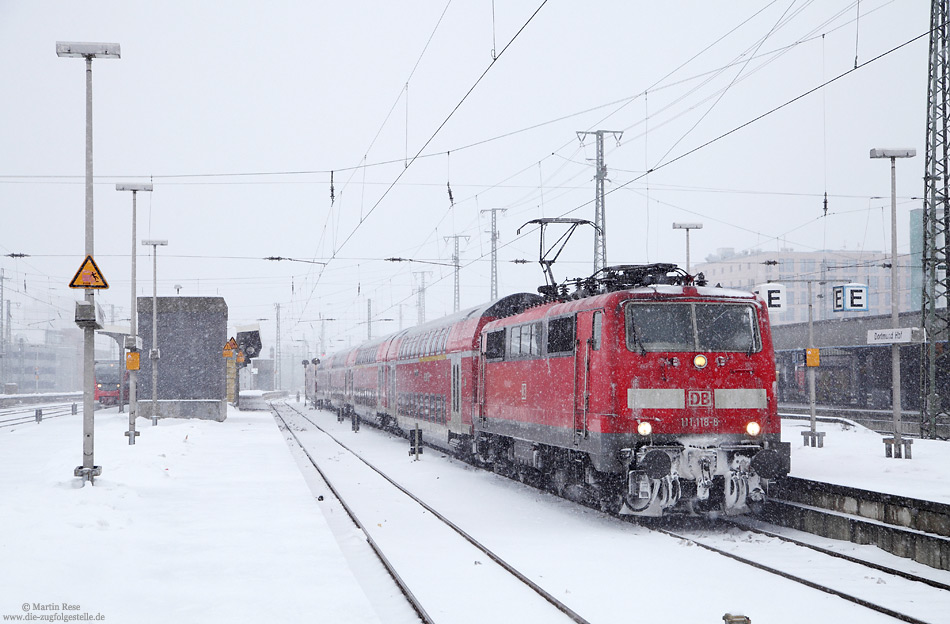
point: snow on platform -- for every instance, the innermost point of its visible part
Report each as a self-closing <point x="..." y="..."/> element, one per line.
<point x="853" y="456"/>
<point x="199" y="521"/>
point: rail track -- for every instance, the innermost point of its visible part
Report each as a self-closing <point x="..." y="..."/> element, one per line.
<point x="891" y="586"/>
<point x="518" y="585"/>
<point x="23" y="414"/>
<point x="881" y="588"/>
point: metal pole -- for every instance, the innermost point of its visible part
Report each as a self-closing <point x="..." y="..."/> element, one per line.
<point x="811" y="369"/>
<point x="600" y="175"/>
<point x="895" y="316"/>
<point x="278" y="384"/>
<point x="687" y="251"/>
<point x="88" y="51"/>
<point x="133" y="332"/>
<point x="155" y="352"/>
<point x="88" y="470"/>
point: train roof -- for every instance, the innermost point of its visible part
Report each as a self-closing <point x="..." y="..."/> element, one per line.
<point x="500" y="308"/>
<point x="657" y="292"/>
<point x="378" y="348"/>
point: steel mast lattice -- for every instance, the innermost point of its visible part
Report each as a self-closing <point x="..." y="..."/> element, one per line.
<point x="935" y="419"/>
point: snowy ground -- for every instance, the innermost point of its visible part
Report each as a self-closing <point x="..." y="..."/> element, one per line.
<point x="211" y="522"/>
<point x="199" y="521"/>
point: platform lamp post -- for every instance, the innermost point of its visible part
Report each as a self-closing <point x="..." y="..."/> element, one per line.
<point x="894" y="154"/>
<point x="154" y="354"/>
<point x="687" y="227"/>
<point x="88" y="471"/>
<point x="133" y="343"/>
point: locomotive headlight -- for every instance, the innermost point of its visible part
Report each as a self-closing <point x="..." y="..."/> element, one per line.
<point x="644" y="428"/>
<point x="700" y="361"/>
<point x="753" y="428"/>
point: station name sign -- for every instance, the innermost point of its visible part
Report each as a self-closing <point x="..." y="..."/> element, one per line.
<point x="896" y="336"/>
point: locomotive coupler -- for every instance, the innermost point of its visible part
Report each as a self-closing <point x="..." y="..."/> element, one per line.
<point x="704" y="482"/>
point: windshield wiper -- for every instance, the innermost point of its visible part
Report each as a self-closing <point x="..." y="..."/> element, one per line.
<point x="637" y="341"/>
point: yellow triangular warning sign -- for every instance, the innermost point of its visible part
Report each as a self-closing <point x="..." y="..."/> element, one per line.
<point x="89" y="276"/>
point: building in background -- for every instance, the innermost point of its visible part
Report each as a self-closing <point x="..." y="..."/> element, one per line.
<point x="52" y="365"/>
<point x="258" y="375"/>
<point x="917" y="254"/>
<point x="746" y="270"/>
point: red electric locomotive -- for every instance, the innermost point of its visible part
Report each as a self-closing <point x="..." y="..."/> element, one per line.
<point x="645" y="391"/>
<point x="112" y="382"/>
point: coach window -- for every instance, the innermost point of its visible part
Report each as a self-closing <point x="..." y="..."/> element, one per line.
<point x="595" y="331"/>
<point x="445" y="339"/>
<point x="561" y="335"/>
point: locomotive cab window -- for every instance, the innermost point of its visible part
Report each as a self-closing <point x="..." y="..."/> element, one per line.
<point x="691" y="327"/>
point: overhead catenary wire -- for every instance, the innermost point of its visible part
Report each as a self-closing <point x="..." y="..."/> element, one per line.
<point x="432" y="137"/>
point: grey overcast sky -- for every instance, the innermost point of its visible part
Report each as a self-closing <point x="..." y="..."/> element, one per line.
<point x="241" y="114"/>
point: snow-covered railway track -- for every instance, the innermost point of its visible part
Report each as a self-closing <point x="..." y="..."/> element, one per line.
<point x="441" y="559"/>
<point x="898" y="594"/>
<point x="23" y="414"/>
<point x="774" y="531"/>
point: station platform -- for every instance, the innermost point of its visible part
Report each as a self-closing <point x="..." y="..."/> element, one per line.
<point x="854" y="456"/>
<point x="199" y="521"/>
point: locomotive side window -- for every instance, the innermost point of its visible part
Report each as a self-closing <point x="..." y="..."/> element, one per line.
<point x="595" y="330"/>
<point x="495" y="345"/>
<point x="524" y="340"/>
<point x="691" y="327"/>
<point x="561" y="335"/>
<point x="534" y="340"/>
<point x="514" y="342"/>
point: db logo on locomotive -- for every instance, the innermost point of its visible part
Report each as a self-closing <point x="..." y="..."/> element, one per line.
<point x="699" y="398"/>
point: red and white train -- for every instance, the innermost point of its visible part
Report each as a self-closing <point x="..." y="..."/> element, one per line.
<point x="645" y="392"/>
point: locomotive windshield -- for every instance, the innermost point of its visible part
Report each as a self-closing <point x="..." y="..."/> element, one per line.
<point x="108" y="373"/>
<point x="691" y="327"/>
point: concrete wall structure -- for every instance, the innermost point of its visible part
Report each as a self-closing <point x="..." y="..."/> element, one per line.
<point x="192" y="332"/>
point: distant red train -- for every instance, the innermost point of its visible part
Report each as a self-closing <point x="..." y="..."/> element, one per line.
<point x="645" y="392"/>
<point x="112" y="382"/>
